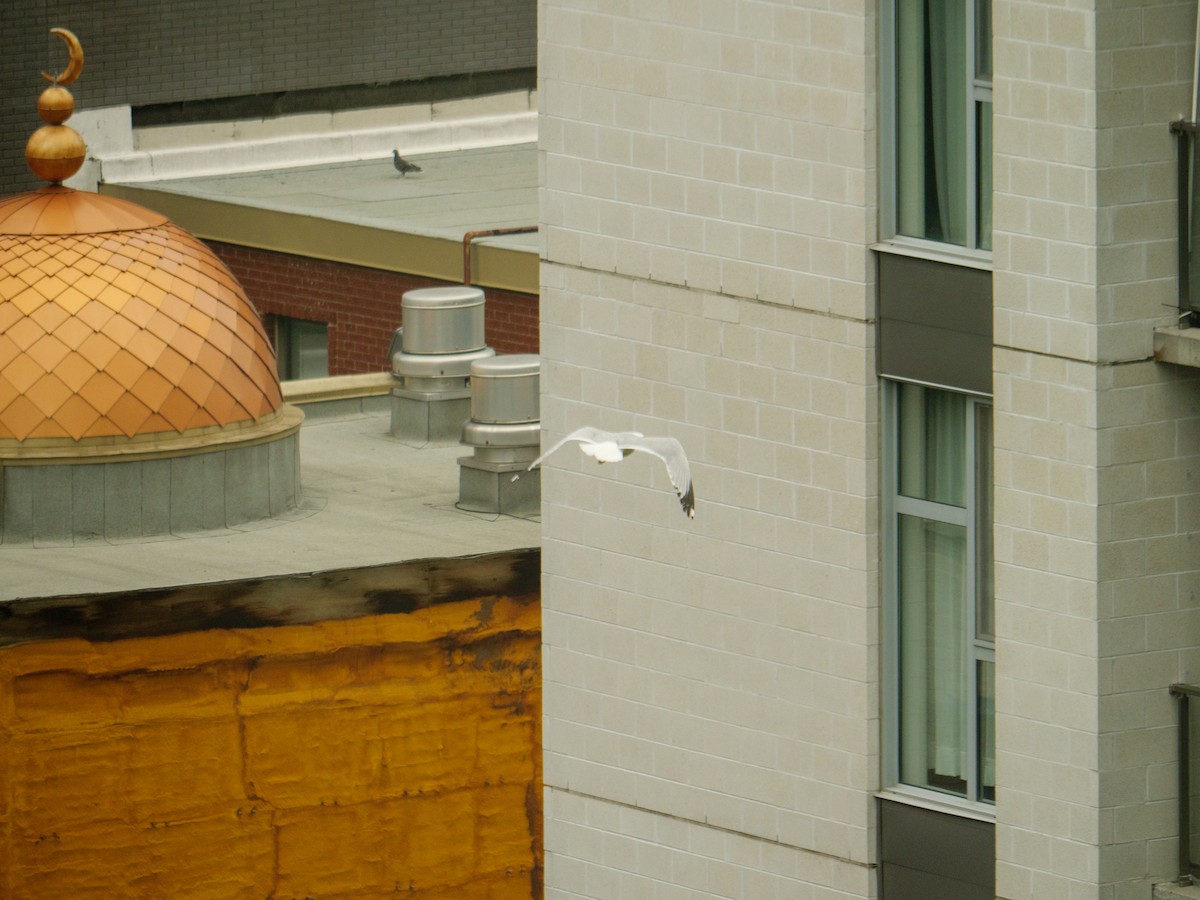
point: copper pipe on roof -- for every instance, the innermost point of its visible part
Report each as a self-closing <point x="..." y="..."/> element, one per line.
<point x="489" y="232"/>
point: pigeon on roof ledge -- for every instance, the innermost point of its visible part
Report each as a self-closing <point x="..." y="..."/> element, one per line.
<point x="403" y="166"/>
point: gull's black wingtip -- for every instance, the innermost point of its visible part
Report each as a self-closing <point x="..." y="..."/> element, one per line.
<point x="688" y="502"/>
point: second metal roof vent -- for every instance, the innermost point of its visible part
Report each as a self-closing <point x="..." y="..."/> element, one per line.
<point x="442" y="334"/>
<point x="505" y="430"/>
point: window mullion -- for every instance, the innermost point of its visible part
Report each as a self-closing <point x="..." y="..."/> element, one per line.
<point x="887" y="119"/>
<point x="971" y="187"/>
<point x="972" y="661"/>
<point x="928" y="509"/>
<point x="891" y="618"/>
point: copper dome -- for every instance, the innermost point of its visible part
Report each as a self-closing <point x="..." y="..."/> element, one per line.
<point x="116" y="322"/>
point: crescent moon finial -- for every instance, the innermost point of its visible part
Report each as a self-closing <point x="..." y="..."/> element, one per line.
<point x="75" y="66"/>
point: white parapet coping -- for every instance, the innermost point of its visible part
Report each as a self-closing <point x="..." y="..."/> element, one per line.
<point x="119" y="154"/>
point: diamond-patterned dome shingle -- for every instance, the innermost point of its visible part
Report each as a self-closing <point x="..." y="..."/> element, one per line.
<point x="114" y="321"/>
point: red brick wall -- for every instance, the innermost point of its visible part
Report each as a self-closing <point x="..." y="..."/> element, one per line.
<point x="361" y="306"/>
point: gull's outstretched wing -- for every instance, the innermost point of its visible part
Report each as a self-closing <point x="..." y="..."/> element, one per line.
<point x="586" y="435"/>
<point x="670" y="451"/>
<point x="614" y="446"/>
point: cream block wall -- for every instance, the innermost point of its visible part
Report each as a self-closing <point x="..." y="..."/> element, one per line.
<point x="720" y="672"/>
<point x="725" y="146"/>
<point x="610" y="851"/>
<point x="1096" y="458"/>
<point x="711" y="686"/>
<point x="1098" y="611"/>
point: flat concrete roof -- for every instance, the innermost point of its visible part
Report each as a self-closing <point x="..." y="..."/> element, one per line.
<point x="365" y="213"/>
<point x="369" y="499"/>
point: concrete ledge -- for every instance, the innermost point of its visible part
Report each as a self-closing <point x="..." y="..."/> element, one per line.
<point x="339" y="396"/>
<point x="1171" y="891"/>
<point x="337" y="387"/>
<point x="1177" y="345"/>
<point x="155" y="445"/>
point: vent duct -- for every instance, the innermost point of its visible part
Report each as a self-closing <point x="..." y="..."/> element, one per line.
<point x="505" y="432"/>
<point x="441" y="336"/>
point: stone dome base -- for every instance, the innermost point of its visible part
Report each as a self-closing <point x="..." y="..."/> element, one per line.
<point x="195" y="486"/>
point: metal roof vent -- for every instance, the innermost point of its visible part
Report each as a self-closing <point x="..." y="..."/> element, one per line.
<point x="505" y="430"/>
<point x="441" y="337"/>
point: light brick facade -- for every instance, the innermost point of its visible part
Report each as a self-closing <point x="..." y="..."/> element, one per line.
<point x="714" y="689"/>
<point x="711" y="697"/>
<point x="1096" y="584"/>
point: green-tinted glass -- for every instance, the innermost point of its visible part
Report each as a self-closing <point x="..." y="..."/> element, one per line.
<point x="985" y="683"/>
<point x="932" y="80"/>
<point x="983" y="175"/>
<point x="934" y="708"/>
<point x="985" y="572"/>
<point x="983" y="39"/>
<point x="932" y="434"/>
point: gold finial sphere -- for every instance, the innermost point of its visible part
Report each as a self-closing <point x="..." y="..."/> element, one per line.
<point x="55" y="151"/>
<point x="55" y="105"/>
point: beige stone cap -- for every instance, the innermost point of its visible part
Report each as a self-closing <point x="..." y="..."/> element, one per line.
<point x="338" y="387"/>
<point x="118" y="448"/>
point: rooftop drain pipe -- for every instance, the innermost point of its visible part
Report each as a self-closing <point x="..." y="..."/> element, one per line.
<point x="471" y="236"/>
<point x="442" y="335"/>
<point x="505" y="432"/>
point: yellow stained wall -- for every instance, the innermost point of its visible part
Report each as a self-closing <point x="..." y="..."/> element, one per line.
<point x="366" y="757"/>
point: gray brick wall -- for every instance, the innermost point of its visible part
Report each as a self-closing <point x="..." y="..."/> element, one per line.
<point x="144" y="53"/>
<point x="21" y="60"/>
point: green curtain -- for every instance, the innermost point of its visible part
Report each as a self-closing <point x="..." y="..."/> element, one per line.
<point x="933" y="680"/>
<point x="931" y="120"/>
<point x="934" y="700"/>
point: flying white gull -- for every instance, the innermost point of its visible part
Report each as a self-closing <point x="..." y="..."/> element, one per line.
<point x="609" y="446"/>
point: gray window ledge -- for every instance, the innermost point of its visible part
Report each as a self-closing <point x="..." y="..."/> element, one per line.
<point x="1178" y="345"/>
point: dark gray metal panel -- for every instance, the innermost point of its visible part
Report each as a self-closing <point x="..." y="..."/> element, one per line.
<point x="52" y="506"/>
<point x="926" y="854"/>
<point x="247" y="485"/>
<point x="156" y="496"/>
<point x="18" y="506"/>
<point x="900" y="883"/>
<point x="211" y="48"/>
<point x="122" y="500"/>
<point x="935" y="323"/>
<point x="926" y="353"/>
<point x="87" y="502"/>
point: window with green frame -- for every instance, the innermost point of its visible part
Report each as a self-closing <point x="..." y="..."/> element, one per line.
<point x="940" y="602"/>
<point x="938" y="124"/>
<point x="301" y="348"/>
